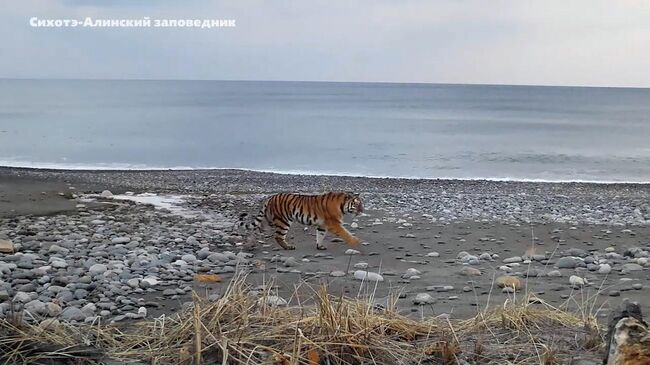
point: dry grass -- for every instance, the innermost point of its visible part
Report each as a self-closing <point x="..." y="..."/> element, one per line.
<point x="241" y="329"/>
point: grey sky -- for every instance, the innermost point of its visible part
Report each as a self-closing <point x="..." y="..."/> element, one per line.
<point x="588" y="42"/>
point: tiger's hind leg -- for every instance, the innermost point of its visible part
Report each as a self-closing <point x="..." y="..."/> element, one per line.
<point x="281" y="229"/>
<point x="320" y="235"/>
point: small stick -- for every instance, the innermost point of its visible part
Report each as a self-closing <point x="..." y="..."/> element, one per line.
<point x="349" y="263"/>
<point x="197" y="332"/>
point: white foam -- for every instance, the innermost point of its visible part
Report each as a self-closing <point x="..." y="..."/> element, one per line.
<point x="495" y="179"/>
<point x="89" y="167"/>
<point x="174" y="204"/>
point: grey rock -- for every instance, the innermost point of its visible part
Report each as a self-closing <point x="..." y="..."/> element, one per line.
<point x="367" y="276"/>
<point x="554" y="273"/>
<point x="59" y="264"/>
<point x="58" y="249"/>
<point x="25" y="264"/>
<point x="53" y="309"/>
<point x="80" y="293"/>
<point x="485" y="256"/>
<point x="290" y="262"/>
<point x="89" y="309"/>
<point x="73" y="314"/>
<point x="203" y="254"/>
<point x="576" y="252"/>
<point x="631" y="267"/>
<point x="214" y="297"/>
<point x="423" y="298"/>
<point x="274" y="300"/>
<point x="22" y="297"/>
<point x="470" y="259"/>
<point x="65" y="296"/>
<point x="189" y="258"/>
<point x="133" y="283"/>
<point x="411" y="273"/>
<point x="217" y="257"/>
<point x="567" y="263"/>
<point x="97" y="269"/>
<point x="36" y="307"/>
<point x="470" y="271"/>
<point x="604" y="269"/>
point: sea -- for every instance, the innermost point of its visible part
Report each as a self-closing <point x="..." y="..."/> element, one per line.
<point x="432" y="131"/>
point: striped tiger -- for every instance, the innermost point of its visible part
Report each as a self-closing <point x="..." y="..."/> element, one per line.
<point x="324" y="211"/>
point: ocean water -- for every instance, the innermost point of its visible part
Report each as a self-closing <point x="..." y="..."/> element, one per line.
<point x="367" y="129"/>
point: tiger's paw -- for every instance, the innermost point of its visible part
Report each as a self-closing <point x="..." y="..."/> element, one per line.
<point x="290" y="247"/>
<point x="355" y="241"/>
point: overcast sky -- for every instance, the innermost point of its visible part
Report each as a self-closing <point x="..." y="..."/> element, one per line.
<point x="588" y="42"/>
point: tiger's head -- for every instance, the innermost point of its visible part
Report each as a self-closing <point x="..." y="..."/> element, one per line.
<point x="352" y="204"/>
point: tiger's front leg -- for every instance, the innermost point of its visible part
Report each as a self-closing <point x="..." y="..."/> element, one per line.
<point x="339" y="230"/>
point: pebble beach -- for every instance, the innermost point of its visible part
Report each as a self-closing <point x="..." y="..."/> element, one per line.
<point x="126" y="245"/>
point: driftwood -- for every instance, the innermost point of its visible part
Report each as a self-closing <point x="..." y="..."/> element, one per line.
<point x="628" y="337"/>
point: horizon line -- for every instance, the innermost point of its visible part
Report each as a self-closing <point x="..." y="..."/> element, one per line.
<point x="325" y="82"/>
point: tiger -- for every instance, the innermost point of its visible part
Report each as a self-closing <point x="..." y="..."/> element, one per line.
<point x="325" y="211"/>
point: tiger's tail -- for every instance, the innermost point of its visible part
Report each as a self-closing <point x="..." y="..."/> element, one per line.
<point x="255" y="223"/>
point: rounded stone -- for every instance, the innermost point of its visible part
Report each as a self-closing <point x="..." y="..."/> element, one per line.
<point x="367" y="276"/>
<point x="604" y="269"/>
<point x="73" y="314"/>
<point x="423" y="298"/>
<point x="507" y="281"/>
<point x="576" y="281"/>
<point x="97" y="269"/>
<point x="337" y="274"/>
<point x="567" y="263"/>
<point x="470" y="271"/>
<point x="188" y="258"/>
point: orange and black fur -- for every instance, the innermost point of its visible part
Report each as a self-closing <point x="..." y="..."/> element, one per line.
<point x="324" y="211"/>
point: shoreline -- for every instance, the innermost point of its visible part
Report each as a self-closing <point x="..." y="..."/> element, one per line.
<point x="324" y="175"/>
<point x="506" y="201"/>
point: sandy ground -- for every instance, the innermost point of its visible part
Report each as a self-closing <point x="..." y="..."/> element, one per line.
<point x="392" y="252"/>
<point x="22" y="196"/>
<point x="406" y="238"/>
